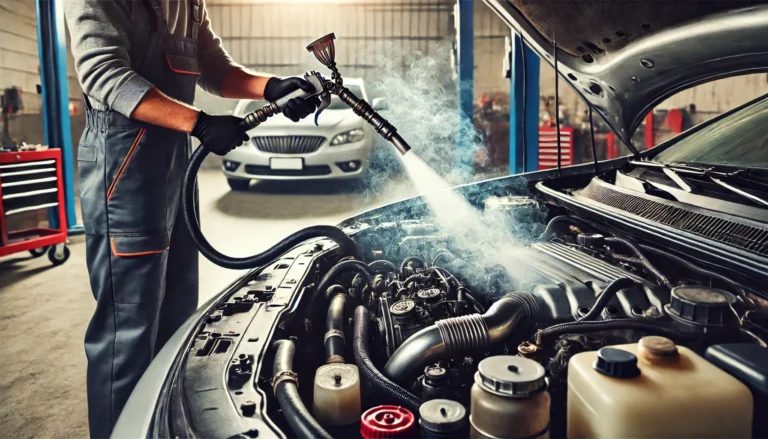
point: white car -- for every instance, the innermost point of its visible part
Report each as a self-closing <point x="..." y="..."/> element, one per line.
<point x="280" y="149"/>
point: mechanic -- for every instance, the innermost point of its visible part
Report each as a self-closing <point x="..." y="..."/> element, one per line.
<point x="138" y="63"/>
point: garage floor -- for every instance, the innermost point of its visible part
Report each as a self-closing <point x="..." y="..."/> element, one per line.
<point x="44" y="310"/>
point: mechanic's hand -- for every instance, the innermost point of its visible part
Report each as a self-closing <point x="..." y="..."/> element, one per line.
<point x="297" y="108"/>
<point x="219" y="134"/>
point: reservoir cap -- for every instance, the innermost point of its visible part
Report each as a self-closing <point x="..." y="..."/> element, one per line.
<point x="387" y="421"/>
<point x="616" y="363"/>
<point x="700" y="305"/>
<point x="507" y="375"/>
<point x="442" y="416"/>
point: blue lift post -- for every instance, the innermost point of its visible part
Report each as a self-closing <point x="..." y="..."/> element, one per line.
<point x="524" y="87"/>
<point x="52" y="45"/>
<point x="465" y="53"/>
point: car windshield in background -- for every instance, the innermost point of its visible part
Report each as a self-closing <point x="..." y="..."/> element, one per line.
<point x="740" y="140"/>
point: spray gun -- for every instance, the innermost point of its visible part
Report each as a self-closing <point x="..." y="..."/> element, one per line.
<point x="325" y="52"/>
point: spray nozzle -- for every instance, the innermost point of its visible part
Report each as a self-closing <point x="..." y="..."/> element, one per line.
<point x="325" y="52"/>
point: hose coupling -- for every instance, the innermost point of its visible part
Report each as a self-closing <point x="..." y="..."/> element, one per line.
<point x="286" y="375"/>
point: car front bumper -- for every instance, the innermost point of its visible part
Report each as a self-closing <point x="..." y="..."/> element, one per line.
<point x="328" y="162"/>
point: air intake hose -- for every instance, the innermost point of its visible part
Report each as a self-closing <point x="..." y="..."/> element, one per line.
<point x="285" y="385"/>
<point x="459" y="336"/>
<point x="369" y="374"/>
<point x="188" y="204"/>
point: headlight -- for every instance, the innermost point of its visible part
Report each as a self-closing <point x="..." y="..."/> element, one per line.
<point x="351" y="136"/>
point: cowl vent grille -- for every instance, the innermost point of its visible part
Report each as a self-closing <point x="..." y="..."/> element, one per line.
<point x="748" y="237"/>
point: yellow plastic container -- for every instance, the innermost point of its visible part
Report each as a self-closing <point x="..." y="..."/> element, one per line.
<point x="676" y="394"/>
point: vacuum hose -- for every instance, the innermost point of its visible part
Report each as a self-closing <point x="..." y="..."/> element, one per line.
<point x="608" y="293"/>
<point x="459" y="336"/>
<point x="369" y="374"/>
<point x="285" y="385"/>
<point x="346" y="244"/>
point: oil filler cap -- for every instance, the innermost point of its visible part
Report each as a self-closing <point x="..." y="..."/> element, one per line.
<point x="387" y="422"/>
<point x="616" y="363"/>
<point x="510" y="376"/>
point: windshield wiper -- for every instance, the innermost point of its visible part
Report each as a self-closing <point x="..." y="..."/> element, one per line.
<point x="740" y="192"/>
<point x="668" y="171"/>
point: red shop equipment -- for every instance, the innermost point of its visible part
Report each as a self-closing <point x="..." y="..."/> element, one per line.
<point x="30" y="181"/>
<point x="548" y="147"/>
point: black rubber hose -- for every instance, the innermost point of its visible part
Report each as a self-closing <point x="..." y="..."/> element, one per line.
<point x="383" y="266"/>
<point x="350" y="266"/>
<point x="405" y="262"/>
<point x="660" y="277"/>
<point x="563" y="219"/>
<point x="286" y="390"/>
<point x="346" y="245"/>
<point x="334" y="329"/>
<point x="608" y="293"/>
<point x="460" y="336"/>
<point x="609" y="325"/>
<point x="370" y="375"/>
<point x="695" y="268"/>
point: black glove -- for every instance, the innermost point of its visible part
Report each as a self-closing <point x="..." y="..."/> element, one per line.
<point x="297" y="108"/>
<point x="219" y="134"/>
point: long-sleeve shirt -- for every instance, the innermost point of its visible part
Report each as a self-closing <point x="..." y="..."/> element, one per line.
<point x="109" y="37"/>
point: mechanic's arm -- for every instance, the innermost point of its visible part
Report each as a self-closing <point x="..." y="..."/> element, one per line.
<point x="223" y="77"/>
<point x="101" y="49"/>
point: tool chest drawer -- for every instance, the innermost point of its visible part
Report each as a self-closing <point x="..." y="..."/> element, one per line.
<point x="29" y="185"/>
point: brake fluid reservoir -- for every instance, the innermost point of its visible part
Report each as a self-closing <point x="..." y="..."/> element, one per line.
<point x="336" y="398"/>
<point x="654" y="389"/>
<point x="509" y="399"/>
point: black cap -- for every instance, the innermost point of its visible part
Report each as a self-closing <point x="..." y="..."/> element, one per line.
<point x="616" y="363"/>
<point x="700" y="305"/>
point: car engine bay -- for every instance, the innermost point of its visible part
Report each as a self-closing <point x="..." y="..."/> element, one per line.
<point x="433" y="333"/>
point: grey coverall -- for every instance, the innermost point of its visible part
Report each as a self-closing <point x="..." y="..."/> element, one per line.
<point x="142" y="263"/>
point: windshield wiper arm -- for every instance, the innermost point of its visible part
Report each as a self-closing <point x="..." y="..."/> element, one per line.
<point x="740" y="192"/>
<point x="668" y="171"/>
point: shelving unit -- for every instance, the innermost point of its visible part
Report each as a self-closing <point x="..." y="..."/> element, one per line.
<point x="29" y="181"/>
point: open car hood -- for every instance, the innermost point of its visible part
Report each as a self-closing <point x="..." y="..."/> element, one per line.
<point x="625" y="57"/>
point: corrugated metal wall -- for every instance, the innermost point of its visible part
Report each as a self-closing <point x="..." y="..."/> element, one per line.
<point x="272" y="36"/>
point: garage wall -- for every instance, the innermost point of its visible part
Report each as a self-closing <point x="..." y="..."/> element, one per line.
<point x="19" y="63"/>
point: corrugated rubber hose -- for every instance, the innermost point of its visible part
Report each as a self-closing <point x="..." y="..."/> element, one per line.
<point x="286" y="390"/>
<point x="369" y="374"/>
<point x="346" y="244"/>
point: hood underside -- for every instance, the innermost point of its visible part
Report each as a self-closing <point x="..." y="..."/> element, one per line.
<point x="625" y="57"/>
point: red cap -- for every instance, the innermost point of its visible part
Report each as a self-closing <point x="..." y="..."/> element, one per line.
<point x="387" y="422"/>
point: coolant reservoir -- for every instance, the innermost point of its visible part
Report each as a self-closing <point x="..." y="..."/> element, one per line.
<point x="509" y="399"/>
<point x="654" y="389"/>
<point x="337" y="394"/>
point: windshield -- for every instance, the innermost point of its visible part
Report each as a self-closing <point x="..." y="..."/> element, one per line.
<point x="740" y="139"/>
<point x="336" y="103"/>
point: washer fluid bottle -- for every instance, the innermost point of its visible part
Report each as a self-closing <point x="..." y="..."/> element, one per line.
<point x="654" y="389"/>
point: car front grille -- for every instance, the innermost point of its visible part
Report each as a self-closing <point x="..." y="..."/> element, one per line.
<point x="288" y="144"/>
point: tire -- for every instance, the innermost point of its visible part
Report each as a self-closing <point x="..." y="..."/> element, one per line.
<point x="37" y="252"/>
<point x="237" y="184"/>
<point x="58" y="259"/>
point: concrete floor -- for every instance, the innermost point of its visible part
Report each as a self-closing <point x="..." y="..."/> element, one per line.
<point x="44" y="310"/>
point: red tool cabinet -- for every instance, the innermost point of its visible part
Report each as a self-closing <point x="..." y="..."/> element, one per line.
<point x="548" y="147"/>
<point x="29" y="181"/>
